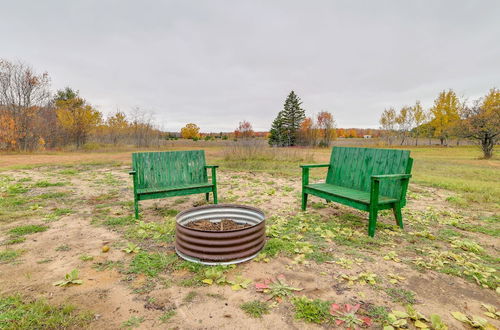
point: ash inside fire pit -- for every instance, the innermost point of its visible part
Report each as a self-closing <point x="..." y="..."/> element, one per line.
<point x="223" y="225"/>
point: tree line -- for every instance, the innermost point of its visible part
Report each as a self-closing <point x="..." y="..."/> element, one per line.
<point x="449" y="117"/>
<point x="291" y="127"/>
<point x="32" y="118"/>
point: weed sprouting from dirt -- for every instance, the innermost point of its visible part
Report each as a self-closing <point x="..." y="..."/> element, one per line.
<point x="7" y="256"/>
<point x="256" y="308"/>
<point x="19" y="313"/>
<point x="27" y="229"/>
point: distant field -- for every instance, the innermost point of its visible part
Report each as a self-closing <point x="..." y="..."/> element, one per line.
<point x="458" y="169"/>
<point x="58" y="211"/>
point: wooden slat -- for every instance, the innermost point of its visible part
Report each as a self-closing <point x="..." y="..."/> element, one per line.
<point x="349" y="193"/>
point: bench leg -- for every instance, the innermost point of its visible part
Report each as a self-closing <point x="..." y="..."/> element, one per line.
<point x="215" y="194"/>
<point x="372" y="224"/>
<point x="207" y="196"/>
<point x="304" y="201"/>
<point x="136" y="207"/>
<point x="397" y="213"/>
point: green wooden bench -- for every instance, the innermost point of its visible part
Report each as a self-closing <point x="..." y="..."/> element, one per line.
<point x="364" y="178"/>
<point x="171" y="173"/>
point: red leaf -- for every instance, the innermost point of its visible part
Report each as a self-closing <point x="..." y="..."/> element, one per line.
<point x="348" y="307"/>
<point x="367" y="321"/>
<point x="334" y="308"/>
<point x="339" y="322"/>
<point x="261" y="286"/>
<point x="355" y="308"/>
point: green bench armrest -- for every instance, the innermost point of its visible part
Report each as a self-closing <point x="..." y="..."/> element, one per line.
<point x="305" y="171"/>
<point x="132" y="172"/>
<point x="214" y="175"/>
<point x="314" y="165"/>
<point x="391" y="176"/>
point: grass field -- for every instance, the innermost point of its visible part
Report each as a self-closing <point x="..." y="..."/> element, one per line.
<point x="57" y="211"/>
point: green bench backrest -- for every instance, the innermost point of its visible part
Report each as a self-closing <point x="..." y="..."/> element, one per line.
<point x="170" y="168"/>
<point x="353" y="168"/>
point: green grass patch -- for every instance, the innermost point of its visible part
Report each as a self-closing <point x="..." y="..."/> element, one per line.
<point x="133" y="322"/>
<point x="400" y="295"/>
<point x="190" y="297"/>
<point x="27" y="229"/>
<point x="165" y="317"/>
<point x="63" y="248"/>
<point x="151" y="264"/>
<point x="7" y="256"/>
<point x="107" y="265"/>
<point x="119" y="221"/>
<point x="44" y="184"/>
<point x="377" y="313"/>
<point x="169" y="212"/>
<point x="68" y="171"/>
<point x="52" y="195"/>
<point x="312" y="311"/>
<point x="255" y="308"/>
<point x="15" y="240"/>
<point x="19" y="313"/>
<point x="16" y="189"/>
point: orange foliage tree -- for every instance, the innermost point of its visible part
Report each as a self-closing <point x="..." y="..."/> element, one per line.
<point x="190" y="131"/>
<point x="244" y="130"/>
<point x="76" y="116"/>
<point x="8" y="131"/>
<point x="326" y="127"/>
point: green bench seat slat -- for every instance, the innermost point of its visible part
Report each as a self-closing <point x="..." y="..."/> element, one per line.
<point x="350" y="180"/>
<point x="172" y="188"/>
<point x="349" y="193"/>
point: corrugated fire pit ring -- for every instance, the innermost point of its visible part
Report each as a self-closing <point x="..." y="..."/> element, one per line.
<point x="220" y="247"/>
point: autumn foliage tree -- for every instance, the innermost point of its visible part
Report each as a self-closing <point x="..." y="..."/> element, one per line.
<point x="308" y="134"/>
<point x="76" y="116"/>
<point x="326" y="128"/>
<point x="445" y="114"/>
<point x="117" y="126"/>
<point x="481" y="122"/>
<point x="23" y="92"/>
<point x="8" y="131"/>
<point x="190" y="131"/>
<point x="244" y="130"/>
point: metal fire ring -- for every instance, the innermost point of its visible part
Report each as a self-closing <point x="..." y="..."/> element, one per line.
<point x="220" y="247"/>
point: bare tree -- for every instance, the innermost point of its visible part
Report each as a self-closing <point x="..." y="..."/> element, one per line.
<point x="388" y="123"/>
<point x="143" y="131"/>
<point x="404" y="120"/>
<point x="23" y="92"/>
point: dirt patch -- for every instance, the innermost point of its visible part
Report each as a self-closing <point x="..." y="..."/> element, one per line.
<point x="99" y="199"/>
<point x="223" y="225"/>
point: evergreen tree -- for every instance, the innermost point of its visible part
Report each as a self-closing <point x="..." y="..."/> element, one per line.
<point x="284" y="130"/>
<point x="293" y="115"/>
<point x="276" y="132"/>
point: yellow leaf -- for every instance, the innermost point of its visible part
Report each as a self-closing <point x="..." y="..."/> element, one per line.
<point x="421" y="325"/>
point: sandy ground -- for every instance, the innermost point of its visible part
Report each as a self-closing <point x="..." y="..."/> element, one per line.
<point x="111" y="295"/>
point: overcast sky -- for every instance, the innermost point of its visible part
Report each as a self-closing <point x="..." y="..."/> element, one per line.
<point x="216" y="63"/>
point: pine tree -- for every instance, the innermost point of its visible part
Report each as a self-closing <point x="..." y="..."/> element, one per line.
<point x="276" y="132"/>
<point x="293" y="115"/>
<point x="285" y="128"/>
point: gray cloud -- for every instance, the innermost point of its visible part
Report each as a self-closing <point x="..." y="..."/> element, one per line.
<point x="216" y="63"/>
